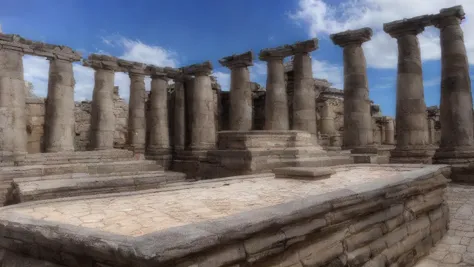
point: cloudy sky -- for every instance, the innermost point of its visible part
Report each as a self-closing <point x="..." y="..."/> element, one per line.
<point x="181" y="32"/>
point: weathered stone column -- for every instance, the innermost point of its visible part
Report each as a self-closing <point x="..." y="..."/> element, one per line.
<point x="431" y="131"/>
<point x="304" y="109"/>
<point x="179" y="136"/>
<point x="412" y="144"/>
<point x="327" y="120"/>
<point x="240" y="112"/>
<point x="102" y="108"/>
<point x="13" y="138"/>
<point x="159" y="143"/>
<point x="456" y="144"/>
<point x="59" y="119"/>
<point x="202" y="119"/>
<point x="357" y="118"/>
<point x="276" y="99"/>
<point x="389" y="131"/>
<point x="136" y="109"/>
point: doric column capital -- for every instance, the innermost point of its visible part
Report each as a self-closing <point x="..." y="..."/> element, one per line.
<point x="133" y="68"/>
<point x="357" y="37"/>
<point x="307" y="46"/>
<point x="276" y="53"/>
<point x="103" y="62"/>
<point x="238" y="61"/>
<point x="202" y="69"/>
<point x="449" y="16"/>
<point x="412" y="26"/>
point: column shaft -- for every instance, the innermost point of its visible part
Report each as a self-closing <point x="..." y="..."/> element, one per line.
<point x="203" y="125"/>
<point x="102" y="111"/>
<point x="159" y="135"/>
<point x="240" y="117"/>
<point x="136" y="113"/>
<point x="276" y="103"/>
<point x="389" y="132"/>
<point x="327" y="120"/>
<point x="304" y="109"/>
<point x="13" y="137"/>
<point x="179" y="116"/>
<point x="60" y="120"/>
<point x="357" y="118"/>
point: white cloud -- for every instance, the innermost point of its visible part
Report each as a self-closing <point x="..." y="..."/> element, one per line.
<point x="36" y="68"/>
<point x="258" y="72"/>
<point x="331" y="72"/>
<point x="223" y="78"/>
<point x="323" y="18"/>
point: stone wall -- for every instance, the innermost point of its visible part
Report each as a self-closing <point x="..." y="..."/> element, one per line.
<point x="389" y="222"/>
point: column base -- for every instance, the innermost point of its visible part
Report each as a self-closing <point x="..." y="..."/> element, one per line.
<point x="457" y="155"/>
<point x="412" y="155"/>
<point x="161" y="156"/>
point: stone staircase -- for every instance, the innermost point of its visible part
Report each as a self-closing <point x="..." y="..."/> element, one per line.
<point x="66" y="174"/>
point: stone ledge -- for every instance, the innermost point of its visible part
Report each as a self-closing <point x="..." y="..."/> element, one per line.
<point x="408" y="26"/>
<point x="303" y="173"/>
<point x="204" y="68"/>
<point x="236" y="61"/>
<point x="288" y="50"/>
<point x="175" y="245"/>
<point x="352" y="37"/>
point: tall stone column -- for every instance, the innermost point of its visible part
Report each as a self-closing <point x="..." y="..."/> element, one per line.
<point x="431" y="131"/>
<point x="241" y="110"/>
<point x="102" y="108"/>
<point x="389" y="131"/>
<point x="136" y="111"/>
<point x="412" y="144"/>
<point x="13" y="138"/>
<point x="357" y="118"/>
<point x="179" y="136"/>
<point x="59" y="119"/>
<point x="327" y="120"/>
<point x="202" y="119"/>
<point x="456" y="144"/>
<point x="304" y="107"/>
<point x="276" y="99"/>
<point x="159" y="143"/>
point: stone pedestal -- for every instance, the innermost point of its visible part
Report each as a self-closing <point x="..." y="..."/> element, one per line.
<point x="136" y="113"/>
<point x="13" y="137"/>
<point x="240" y="111"/>
<point x="412" y="144"/>
<point x="357" y="117"/>
<point x="457" y="143"/>
<point x="59" y="119"/>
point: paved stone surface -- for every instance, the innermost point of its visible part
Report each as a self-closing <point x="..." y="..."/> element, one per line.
<point x="457" y="246"/>
<point x="140" y="214"/>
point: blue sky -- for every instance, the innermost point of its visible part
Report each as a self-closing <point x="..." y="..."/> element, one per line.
<point x="181" y="32"/>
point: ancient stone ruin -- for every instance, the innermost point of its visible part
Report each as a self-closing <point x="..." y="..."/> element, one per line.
<point x="295" y="173"/>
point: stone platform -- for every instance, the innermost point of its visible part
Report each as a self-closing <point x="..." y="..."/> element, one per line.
<point x="364" y="214"/>
<point x="242" y="153"/>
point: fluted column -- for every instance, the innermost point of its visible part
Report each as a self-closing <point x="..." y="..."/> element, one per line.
<point x="102" y="107"/>
<point x="136" y="113"/>
<point x="240" y="112"/>
<point x="159" y="142"/>
<point x="13" y="138"/>
<point x="276" y="99"/>
<point x="202" y="117"/>
<point x="412" y="144"/>
<point x="59" y="119"/>
<point x="304" y="105"/>
<point x="456" y="144"/>
<point x="357" y="118"/>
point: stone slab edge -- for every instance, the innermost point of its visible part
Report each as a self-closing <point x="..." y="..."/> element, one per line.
<point x="172" y="243"/>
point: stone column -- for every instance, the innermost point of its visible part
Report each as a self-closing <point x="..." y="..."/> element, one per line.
<point x="159" y="143"/>
<point x="456" y="144"/>
<point x="389" y="131"/>
<point x="202" y="119"/>
<point x="136" y="112"/>
<point x="179" y="114"/>
<point x="357" y="118"/>
<point x="13" y="137"/>
<point x="304" y="109"/>
<point x="102" y="107"/>
<point x="431" y="131"/>
<point x="327" y="120"/>
<point x="412" y="144"/>
<point x="59" y="118"/>
<point x="240" y="112"/>
<point x="276" y="99"/>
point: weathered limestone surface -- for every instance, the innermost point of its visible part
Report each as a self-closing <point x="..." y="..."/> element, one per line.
<point x="392" y="222"/>
<point x="179" y="122"/>
<point x="412" y="144"/>
<point x="241" y="110"/>
<point x="136" y="113"/>
<point x="13" y="138"/>
<point x="304" y="106"/>
<point x="159" y="142"/>
<point x="357" y="118"/>
<point x="457" y="139"/>
<point x="389" y="131"/>
<point x="60" y="121"/>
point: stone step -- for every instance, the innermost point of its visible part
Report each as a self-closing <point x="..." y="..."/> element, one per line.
<point x="308" y="162"/>
<point x="76" y="157"/>
<point x="91" y="168"/>
<point x="24" y="191"/>
<point x="87" y="175"/>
